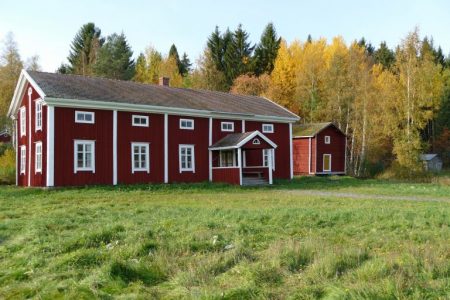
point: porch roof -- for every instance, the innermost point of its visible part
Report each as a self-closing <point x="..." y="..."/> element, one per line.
<point x="237" y="140"/>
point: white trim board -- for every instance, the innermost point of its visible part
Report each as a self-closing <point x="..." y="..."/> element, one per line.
<point x="247" y="139"/>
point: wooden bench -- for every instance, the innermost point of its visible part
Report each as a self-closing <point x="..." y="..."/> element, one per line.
<point x="258" y="174"/>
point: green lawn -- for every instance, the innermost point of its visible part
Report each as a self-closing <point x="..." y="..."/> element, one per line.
<point x="221" y="242"/>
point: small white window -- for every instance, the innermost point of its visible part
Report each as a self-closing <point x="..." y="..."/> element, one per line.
<point x="84" y="156"/>
<point x="38" y="117"/>
<point x="327" y="139"/>
<point x="187" y="158"/>
<point x="267" y="128"/>
<point x="84" y="117"/>
<point x="256" y="142"/>
<point x="269" y="153"/>
<point x="140" y="157"/>
<point x="23" y="121"/>
<point x="141" y="121"/>
<point x="187" y="124"/>
<point x="227" y="126"/>
<point x="38" y="157"/>
<point x="23" y="159"/>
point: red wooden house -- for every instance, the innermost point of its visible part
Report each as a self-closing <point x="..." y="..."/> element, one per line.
<point x="75" y="130"/>
<point x="319" y="148"/>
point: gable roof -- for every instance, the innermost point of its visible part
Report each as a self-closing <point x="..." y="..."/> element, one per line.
<point x="59" y="88"/>
<point x="237" y="140"/>
<point x="311" y="130"/>
<point x="427" y="157"/>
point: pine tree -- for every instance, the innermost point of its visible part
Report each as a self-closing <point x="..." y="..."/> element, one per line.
<point x="384" y="56"/>
<point x="185" y="65"/>
<point x="369" y="49"/>
<point x="173" y="52"/>
<point x="84" y="49"/>
<point x="266" y="51"/>
<point x="114" y="59"/>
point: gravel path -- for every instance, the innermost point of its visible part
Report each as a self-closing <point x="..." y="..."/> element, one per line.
<point x="366" y="196"/>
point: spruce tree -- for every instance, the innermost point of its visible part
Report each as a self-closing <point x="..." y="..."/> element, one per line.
<point x="384" y="56"/>
<point x="114" y="59"/>
<point x="215" y="45"/>
<point x="185" y="65"/>
<point x="84" y="49"/>
<point x="266" y="51"/>
<point x="369" y="49"/>
<point x="173" y="52"/>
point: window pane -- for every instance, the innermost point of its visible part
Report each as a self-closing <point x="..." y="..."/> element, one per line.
<point x="88" y="148"/>
<point x="88" y="162"/>
<point x="88" y="117"/>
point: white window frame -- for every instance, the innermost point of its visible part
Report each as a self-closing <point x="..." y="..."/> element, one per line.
<point x="38" y="115"/>
<point x="323" y="163"/>
<point x="270" y="128"/>
<point x="140" y="117"/>
<point x="147" y="158"/>
<point x="221" y="161"/>
<point x="75" y="156"/>
<point x="192" y="168"/>
<point x="38" y="157"/>
<point x="23" y="159"/>
<point x="265" y="154"/>
<point x="223" y="126"/>
<point x="256" y="141"/>
<point x="327" y="139"/>
<point x="78" y="112"/>
<point x="187" y="127"/>
<point x="23" y="121"/>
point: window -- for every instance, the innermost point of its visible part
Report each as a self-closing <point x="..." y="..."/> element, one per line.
<point x="327" y="162"/>
<point x="269" y="153"/>
<point x="140" y="157"/>
<point x="38" y="117"/>
<point x="23" y="159"/>
<point x="84" y="156"/>
<point x="327" y="139"/>
<point x="227" y="126"/>
<point x="38" y="157"/>
<point x="141" y="121"/>
<point x="256" y="142"/>
<point x="187" y="158"/>
<point x="227" y="158"/>
<point x="267" y="128"/>
<point x="84" y="117"/>
<point x="187" y="124"/>
<point x="23" y="121"/>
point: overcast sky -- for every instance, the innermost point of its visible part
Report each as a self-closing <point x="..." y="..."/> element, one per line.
<point x="47" y="27"/>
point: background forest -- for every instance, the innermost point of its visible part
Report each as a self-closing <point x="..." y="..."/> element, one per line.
<point x="393" y="104"/>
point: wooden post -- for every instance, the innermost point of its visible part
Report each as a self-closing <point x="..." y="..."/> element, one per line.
<point x="240" y="165"/>
<point x="270" y="166"/>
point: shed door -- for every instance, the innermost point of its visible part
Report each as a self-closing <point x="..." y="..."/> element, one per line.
<point x="327" y="162"/>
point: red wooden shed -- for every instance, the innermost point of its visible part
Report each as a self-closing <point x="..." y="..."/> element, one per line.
<point x="319" y="148"/>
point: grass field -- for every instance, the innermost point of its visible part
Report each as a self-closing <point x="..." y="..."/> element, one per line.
<point x="221" y="242"/>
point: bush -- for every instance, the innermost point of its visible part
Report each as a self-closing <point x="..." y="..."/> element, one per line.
<point x="396" y="171"/>
<point x="8" y="167"/>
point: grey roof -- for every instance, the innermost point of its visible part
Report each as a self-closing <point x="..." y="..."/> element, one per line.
<point x="231" y="140"/>
<point x="309" y="129"/>
<point x="117" y="91"/>
<point x="427" y="157"/>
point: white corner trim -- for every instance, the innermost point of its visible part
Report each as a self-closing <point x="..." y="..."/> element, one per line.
<point x="166" y="148"/>
<point x="50" y="145"/>
<point x="309" y="156"/>
<point x="240" y="165"/>
<point x="291" y="154"/>
<point x="209" y="151"/>
<point x="29" y="138"/>
<point x="19" y="91"/>
<point x="15" y="144"/>
<point x="114" y="133"/>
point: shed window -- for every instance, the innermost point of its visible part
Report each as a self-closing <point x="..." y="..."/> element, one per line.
<point x="84" y="156"/>
<point x="84" y="117"/>
<point x="227" y="126"/>
<point x="140" y="157"/>
<point x="23" y="121"/>
<point x="38" y="117"/>
<point x="187" y="158"/>
<point x="23" y="159"/>
<point x="140" y="121"/>
<point x="267" y="128"/>
<point x="187" y="124"/>
<point x="38" y="157"/>
<point x="327" y="139"/>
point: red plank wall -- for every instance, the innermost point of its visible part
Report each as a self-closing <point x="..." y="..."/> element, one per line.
<point x="301" y="156"/>
<point x="336" y="148"/>
<point x="217" y="132"/>
<point x="153" y="134"/>
<point x="36" y="179"/>
<point x="66" y="131"/>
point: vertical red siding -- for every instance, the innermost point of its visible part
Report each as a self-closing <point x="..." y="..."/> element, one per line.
<point x="336" y="148"/>
<point x="199" y="137"/>
<point x="301" y="155"/>
<point x="126" y="134"/>
<point x="227" y="175"/>
<point x="281" y="137"/>
<point x="217" y="132"/>
<point x="66" y="131"/>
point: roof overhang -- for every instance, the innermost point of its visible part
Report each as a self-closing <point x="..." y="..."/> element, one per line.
<point x="20" y="91"/>
<point x="256" y="133"/>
